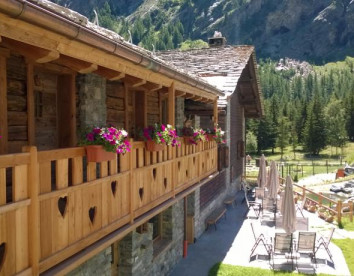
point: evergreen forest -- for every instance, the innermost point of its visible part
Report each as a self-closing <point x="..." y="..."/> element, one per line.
<point x="313" y="109"/>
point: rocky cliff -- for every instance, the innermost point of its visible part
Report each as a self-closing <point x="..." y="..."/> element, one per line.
<point x="315" y="30"/>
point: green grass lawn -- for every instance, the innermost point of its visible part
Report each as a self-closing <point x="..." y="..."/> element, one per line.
<point x="220" y="269"/>
<point x="347" y="246"/>
<point x="347" y="225"/>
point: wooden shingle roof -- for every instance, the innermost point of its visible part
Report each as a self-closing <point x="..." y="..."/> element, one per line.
<point x="224" y="67"/>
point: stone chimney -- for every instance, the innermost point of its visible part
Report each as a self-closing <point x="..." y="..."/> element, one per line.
<point x="217" y="40"/>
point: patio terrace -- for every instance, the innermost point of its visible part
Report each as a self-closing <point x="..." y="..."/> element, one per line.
<point x="233" y="240"/>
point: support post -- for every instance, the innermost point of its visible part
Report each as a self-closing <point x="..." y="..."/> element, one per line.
<point x="33" y="210"/>
<point x="171" y="104"/>
<point x="215" y="113"/>
<point x="339" y="211"/>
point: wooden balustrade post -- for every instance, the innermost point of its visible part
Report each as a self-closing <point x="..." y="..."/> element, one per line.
<point x="339" y="211"/>
<point x="320" y="199"/>
<point x="303" y="192"/>
<point x="33" y="212"/>
<point x="351" y="211"/>
<point x="132" y="182"/>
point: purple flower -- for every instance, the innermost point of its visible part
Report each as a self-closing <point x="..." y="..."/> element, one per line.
<point x="163" y="127"/>
<point x="90" y="137"/>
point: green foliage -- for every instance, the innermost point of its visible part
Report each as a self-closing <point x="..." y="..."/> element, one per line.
<point x="318" y="106"/>
<point x="315" y="133"/>
<point x="283" y="135"/>
<point x="220" y="269"/>
<point x="347" y="247"/>
<point x="251" y="142"/>
<point x="193" y="44"/>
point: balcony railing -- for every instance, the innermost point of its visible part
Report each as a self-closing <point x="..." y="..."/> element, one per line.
<point x="53" y="203"/>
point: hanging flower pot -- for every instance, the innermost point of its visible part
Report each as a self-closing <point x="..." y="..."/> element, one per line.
<point x="188" y="140"/>
<point x="103" y="144"/>
<point x="152" y="146"/>
<point x="96" y="153"/>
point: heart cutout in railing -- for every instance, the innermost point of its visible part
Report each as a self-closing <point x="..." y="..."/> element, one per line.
<point x="154" y="173"/>
<point x="114" y="187"/>
<point x="179" y="165"/>
<point x="92" y="213"/>
<point x="141" y="193"/>
<point x="2" y="254"/>
<point x="165" y="182"/>
<point x="203" y="165"/>
<point x="187" y="173"/>
<point x="62" y="203"/>
<point x="193" y="160"/>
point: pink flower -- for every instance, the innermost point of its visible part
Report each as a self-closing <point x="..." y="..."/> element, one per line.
<point x="90" y="137"/>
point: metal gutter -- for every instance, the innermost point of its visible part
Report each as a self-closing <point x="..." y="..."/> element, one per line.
<point x="35" y="14"/>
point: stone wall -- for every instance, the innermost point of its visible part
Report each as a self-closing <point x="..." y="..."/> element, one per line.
<point x="237" y="122"/>
<point x="92" y="100"/>
<point x="100" y="264"/>
<point x="173" y="223"/>
<point x="179" y="113"/>
<point x="136" y="253"/>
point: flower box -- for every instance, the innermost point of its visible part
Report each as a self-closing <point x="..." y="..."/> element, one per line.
<point x="152" y="146"/>
<point x="96" y="153"/>
<point x="210" y="137"/>
<point x="188" y="140"/>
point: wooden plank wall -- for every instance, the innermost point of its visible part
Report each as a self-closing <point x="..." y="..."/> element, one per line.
<point x="115" y="104"/>
<point x="153" y="108"/>
<point x="45" y="97"/>
<point x="16" y="103"/>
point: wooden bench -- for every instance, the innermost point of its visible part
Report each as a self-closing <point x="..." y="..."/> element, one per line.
<point x="230" y="200"/>
<point x="215" y="216"/>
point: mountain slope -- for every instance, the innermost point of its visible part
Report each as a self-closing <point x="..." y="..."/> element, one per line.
<point x="315" y="30"/>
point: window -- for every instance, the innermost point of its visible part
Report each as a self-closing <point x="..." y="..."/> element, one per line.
<point x="161" y="234"/>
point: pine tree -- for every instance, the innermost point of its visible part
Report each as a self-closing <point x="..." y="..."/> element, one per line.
<point x="315" y="133"/>
<point x="283" y="135"/>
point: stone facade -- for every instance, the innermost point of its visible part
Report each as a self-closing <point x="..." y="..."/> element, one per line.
<point x="136" y="253"/>
<point x="92" y="95"/>
<point x="173" y="223"/>
<point x="237" y="134"/>
<point x="97" y="265"/>
<point x="179" y="114"/>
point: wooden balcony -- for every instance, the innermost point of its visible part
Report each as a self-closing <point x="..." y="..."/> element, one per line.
<point x="59" y="204"/>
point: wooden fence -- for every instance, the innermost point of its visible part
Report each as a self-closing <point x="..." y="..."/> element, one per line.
<point x="320" y="201"/>
<point x="53" y="203"/>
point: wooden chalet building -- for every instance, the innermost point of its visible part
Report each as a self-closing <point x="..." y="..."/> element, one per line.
<point x="60" y="214"/>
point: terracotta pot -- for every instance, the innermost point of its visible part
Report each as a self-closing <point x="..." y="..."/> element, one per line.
<point x="329" y="219"/>
<point x="96" y="153"/>
<point x="152" y="146"/>
<point x="312" y="209"/>
<point x="210" y="137"/>
<point x="321" y="215"/>
<point x="187" y="140"/>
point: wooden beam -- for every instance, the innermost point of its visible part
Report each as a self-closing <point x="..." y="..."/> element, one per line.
<point x="34" y="53"/>
<point x="109" y="74"/>
<point x="30" y="105"/>
<point x="139" y="83"/>
<point x="152" y="86"/>
<point x="215" y="113"/>
<point x="171" y="105"/>
<point x="3" y="104"/>
<point x="180" y="93"/>
<point x="126" y="108"/>
<point x="77" y="65"/>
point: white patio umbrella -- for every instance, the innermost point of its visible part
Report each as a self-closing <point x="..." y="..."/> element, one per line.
<point x="273" y="181"/>
<point x="262" y="173"/>
<point x="288" y="207"/>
